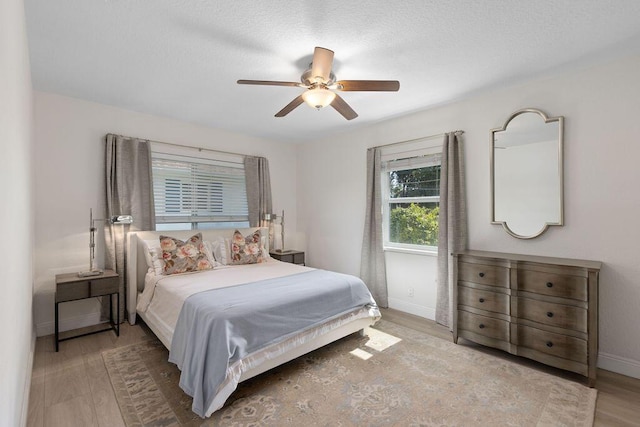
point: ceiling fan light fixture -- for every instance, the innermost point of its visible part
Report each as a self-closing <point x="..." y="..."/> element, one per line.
<point x="320" y="82"/>
<point x="318" y="98"/>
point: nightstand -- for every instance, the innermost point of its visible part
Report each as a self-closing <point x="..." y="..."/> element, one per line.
<point x="292" y="256"/>
<point x="70" y="287"/>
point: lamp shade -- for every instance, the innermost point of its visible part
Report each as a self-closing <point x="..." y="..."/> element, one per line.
<point x="318" y="97"/>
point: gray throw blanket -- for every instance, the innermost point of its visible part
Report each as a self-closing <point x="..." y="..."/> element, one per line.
<point x="218" y="327"/>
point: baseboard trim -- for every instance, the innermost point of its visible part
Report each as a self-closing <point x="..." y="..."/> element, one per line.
<point x="89" y="319"/>
<point x="415" y="309"/>
<point x="27" y="381"/>
<point x="619" y="365"/>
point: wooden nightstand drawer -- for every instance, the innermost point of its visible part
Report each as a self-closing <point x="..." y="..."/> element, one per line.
<point x="72" y="291"/>
<point x="106" y="286"/>
<point x="291" y="256"/>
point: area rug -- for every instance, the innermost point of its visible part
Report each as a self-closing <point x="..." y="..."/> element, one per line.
<point x="396" y="376"/>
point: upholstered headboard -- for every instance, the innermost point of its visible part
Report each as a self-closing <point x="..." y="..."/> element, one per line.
<point x="137" y="265"/>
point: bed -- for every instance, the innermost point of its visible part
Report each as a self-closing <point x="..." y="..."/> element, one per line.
<point x="275" y="312"/>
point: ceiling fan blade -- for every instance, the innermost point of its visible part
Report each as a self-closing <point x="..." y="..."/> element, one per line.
<point x="343" y="108"/>
<point x="368" y="85"/>
<point x="290" y="106"/>
<point x="321" y="64"/>
<point x="269" y="83"/>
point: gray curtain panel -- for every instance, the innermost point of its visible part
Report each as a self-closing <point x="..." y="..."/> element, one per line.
<point x="258" y="181"/>
<point x="372" y="267"/>
<point x="452" y="222"/>
<point x="129" y="192"/>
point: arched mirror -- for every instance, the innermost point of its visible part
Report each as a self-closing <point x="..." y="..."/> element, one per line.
<point x="526" y="173"/>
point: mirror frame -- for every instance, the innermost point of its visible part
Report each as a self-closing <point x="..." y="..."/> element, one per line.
<point x="547" y="119"/>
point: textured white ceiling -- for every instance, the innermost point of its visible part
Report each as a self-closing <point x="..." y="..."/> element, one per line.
<point x="181" y="58"/>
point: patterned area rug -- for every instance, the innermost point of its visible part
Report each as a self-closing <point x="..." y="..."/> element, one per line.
<point x="395" y="377"/>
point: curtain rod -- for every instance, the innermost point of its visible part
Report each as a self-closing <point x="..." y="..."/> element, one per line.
<point x="417" y="139"/>
<point x="184" y="146"/>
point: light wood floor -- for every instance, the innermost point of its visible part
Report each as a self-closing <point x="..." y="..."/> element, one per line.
<point x="72" y="388"/>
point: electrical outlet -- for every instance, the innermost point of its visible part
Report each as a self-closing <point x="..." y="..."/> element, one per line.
<point x="410" y="292"/>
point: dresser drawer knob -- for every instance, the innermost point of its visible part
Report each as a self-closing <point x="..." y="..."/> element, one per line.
<point x="549" y="344"/>
<point x="481" y="274"/>
<point x="481" y="300"/>
<point x="549" y="314"/>
<point x="481" y="326"/>
<point x="549" y="285"/>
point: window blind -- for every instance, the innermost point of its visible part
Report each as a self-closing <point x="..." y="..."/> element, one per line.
<point x="406" y="150"/>
<point x="190" y="189"/>
<point x="422" y="161"/>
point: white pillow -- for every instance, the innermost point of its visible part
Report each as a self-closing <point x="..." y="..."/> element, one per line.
<point x="148" y="244"/>
<point x="152" y="255"/>
<point x="265" y="252"/>
<point x="208" y="250"/>
<point x="219" y="250"/>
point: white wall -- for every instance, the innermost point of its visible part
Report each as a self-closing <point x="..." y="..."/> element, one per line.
<point x="602" y="203"/>
<point x="410" y="292"/>
<point x="16" y="219"/>
<point x="69" y="179"/>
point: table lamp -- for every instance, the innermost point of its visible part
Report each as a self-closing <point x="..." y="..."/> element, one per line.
<point x="118" y="219"/>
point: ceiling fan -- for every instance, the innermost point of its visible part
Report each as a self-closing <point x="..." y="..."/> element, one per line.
<point x="320" y="83"/>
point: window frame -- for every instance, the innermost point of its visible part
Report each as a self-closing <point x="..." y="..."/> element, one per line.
<point x="416" y="157"/>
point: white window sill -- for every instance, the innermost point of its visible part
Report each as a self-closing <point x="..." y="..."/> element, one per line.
<point x="423" y="252"/>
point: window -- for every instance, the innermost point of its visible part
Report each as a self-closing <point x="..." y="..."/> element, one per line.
<point x="203" y="192"/>
<point x="411" y="199"/>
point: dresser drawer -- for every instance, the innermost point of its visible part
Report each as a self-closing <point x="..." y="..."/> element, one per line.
<point x="104" y="286"/>
<point x="483" y="300"/>
<point x="491" y="275"/>
<point x="558" y="315"/>
<point x="557" y="345"/>
<point x="483" y="325"/>
<point x="557" y="285"/>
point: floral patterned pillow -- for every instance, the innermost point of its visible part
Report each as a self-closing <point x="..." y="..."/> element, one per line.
<point x="246" y="250"/>
<point x="183" y="257"/>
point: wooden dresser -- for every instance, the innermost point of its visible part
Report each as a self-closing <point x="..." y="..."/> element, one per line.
<point x="542" y="308"/>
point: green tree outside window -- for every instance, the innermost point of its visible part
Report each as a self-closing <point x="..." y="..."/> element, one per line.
<point x="414" y="221"/>
<point x="414" y="224"/>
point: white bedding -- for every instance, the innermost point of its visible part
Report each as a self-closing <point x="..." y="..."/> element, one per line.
<point x="163" y="296"/>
